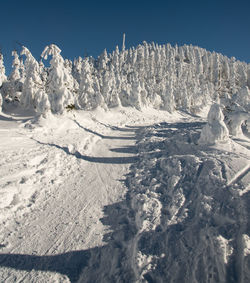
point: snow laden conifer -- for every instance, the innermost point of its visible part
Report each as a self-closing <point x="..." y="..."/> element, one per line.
<point x="76" y="69"/>
<point x="15" y="74"/>
<point x="33" y="94"/>
<point x="15" y="81"/>
<point x="2" y="78"/>
<point x="2" y="70"/>
<point x="89" y="89"/>
<point x="60" y="82"/>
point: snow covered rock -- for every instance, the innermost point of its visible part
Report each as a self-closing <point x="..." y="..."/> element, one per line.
<point x="215" y="130"/>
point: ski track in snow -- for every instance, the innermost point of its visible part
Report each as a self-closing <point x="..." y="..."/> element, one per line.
<point x="109" y="202"/>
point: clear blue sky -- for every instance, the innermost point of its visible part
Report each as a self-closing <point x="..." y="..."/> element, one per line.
<point x="79" y="26"/>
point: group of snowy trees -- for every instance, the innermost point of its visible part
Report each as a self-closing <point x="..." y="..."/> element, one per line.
<point x="160" y="76"/>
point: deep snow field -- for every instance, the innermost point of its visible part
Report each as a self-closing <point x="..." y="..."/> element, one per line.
<point x="121" y="196"/>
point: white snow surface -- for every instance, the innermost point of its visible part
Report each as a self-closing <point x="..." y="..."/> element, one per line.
<point x="121" y="196"/>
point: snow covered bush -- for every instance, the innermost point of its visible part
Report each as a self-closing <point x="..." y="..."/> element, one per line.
<point x="215" y="130"/>
<point x="237" y="111"/>
<point x="236" y="120"/>
<point x="242" y="97"/>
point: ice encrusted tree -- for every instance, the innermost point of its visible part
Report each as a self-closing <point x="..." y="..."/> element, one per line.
<point x="89" y="89"/>
<point x="15" y="74"/>
<point x="77" y="69"/>
<point x="2" y="78"/>
<point x="215" y="130"/>
<point x="15" y="81"/>
<point x="86" y="87"/>
<point x="33" y="94"/>
<point x="2" y="70"/>
<point x="237" y="111"/>
<point x="60" y="82"/>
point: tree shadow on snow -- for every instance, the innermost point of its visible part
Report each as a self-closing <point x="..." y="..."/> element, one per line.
<point x="107" y="137"/>
<point x="174" y="247"/>
<point x="92" y="265"/>
<point x="187" y="250"/>
<point x="106" y="160"/>
<point x="101" y="264"/>
<point x="114" y="128"/>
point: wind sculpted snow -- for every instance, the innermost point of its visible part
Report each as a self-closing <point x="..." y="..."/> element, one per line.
<point x="143" y="202"/>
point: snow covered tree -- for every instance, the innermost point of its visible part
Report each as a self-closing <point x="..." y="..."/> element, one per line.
<point x="215" y="130"/>
<point x="15" y="82"/>
<point x="33" y="93"/>
<point x="60" y="83"/>
<point x="2" y="70"/>
<point x="2" y="78"/>
<point x="15" y="74"/>
<point x="77" y="69"/>
<point x="89" y="96"/>
<point x="109" y="89"/>
<point x="135" y="95"/>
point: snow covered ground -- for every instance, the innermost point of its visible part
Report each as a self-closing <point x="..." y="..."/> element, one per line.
<point x="121" y="196"/>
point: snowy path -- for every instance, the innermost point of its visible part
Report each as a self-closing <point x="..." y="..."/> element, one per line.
<point x="102" y="203"/>
<point x="61" y="230"/>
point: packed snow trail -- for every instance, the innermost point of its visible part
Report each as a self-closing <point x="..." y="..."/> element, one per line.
<point x="138" y="203"/>
<point x="64" y="229"/>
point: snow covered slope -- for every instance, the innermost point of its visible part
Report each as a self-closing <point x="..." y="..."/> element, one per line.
<point x="121" y="196"/>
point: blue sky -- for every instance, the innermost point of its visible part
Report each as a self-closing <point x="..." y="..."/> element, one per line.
<point x="79" y="27"/>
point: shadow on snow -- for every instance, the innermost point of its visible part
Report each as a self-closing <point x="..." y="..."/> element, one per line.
<point x="181" y="242"/>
